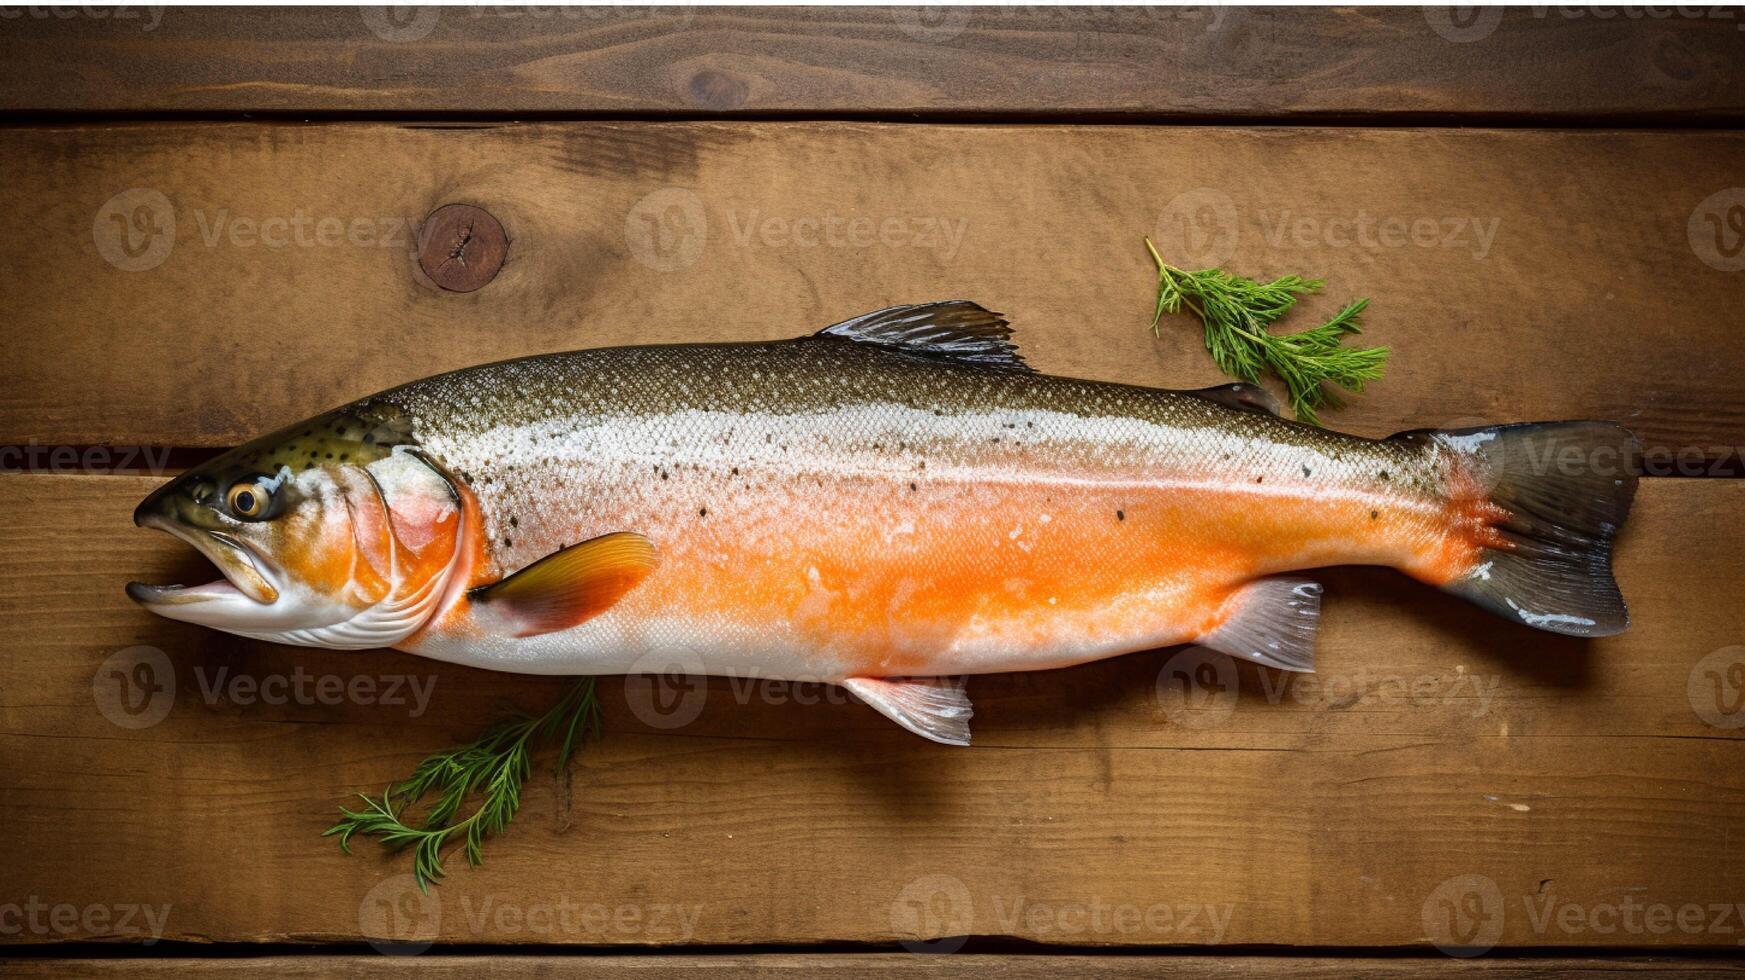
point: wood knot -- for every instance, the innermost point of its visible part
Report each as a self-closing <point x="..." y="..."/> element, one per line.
<point x="461" y="247"/>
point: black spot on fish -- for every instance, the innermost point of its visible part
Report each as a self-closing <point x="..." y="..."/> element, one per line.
<point x="508" y="543"/>
<point x="702" y="512"/>
<point x="736" y="471"/>
<point x="344" y="456"/>
<point x="1305" y="471"/>
<point x="1120" y="515"/>
<point x="1383" y="474"/>
<point x="911" y="486"/>
<point x="1259" y="479"/>
<point x="513" y="522"/>
<point x="1373" y="515"/>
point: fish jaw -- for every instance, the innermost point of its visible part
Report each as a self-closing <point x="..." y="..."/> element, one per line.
<point x="248" y="588"/>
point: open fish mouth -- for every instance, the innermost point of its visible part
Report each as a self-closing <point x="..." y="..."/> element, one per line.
<point x="247" y="574"/>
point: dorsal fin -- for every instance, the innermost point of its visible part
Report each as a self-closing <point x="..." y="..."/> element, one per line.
<point x="1242" y="396"/>
<point x="955" y="330"/>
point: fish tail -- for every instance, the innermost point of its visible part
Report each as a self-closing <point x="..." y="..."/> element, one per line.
<point x="1536" y="506"/>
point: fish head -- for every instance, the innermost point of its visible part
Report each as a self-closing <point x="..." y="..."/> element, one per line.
<point x="338" y="532"/>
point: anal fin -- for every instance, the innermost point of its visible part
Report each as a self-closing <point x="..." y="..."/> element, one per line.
<point x="932" y="707"/>
<point x="1270" y="621"/>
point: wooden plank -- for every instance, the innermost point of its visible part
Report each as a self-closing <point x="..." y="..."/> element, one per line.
<point x="1666" y="64"/>
<point x="1443" y="763"/>
<point x="848" y="966"/>
<point x="1505" y="268"/>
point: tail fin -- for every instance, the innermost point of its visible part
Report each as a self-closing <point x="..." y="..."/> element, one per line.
<point x="1563" y="490"/>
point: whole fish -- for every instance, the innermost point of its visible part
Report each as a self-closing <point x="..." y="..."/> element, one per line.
<point x="889" y="504"/>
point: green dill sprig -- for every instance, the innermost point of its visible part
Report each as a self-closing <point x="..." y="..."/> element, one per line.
<point x="493" y="768"/>
<point x="1237" y="312"/>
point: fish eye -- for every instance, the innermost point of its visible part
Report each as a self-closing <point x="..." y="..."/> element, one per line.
<point x="247" y="500"/>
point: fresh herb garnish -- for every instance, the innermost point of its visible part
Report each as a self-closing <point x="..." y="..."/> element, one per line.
<point x="1237" y="311"/>
<point x="494" y="767"/>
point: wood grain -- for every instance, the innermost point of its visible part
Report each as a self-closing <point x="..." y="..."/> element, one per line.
<point x="1435" y="744"/>
<point x="1553" y="276"/>
<point x="1549" y="63"/>
<point x="850" y="966"/>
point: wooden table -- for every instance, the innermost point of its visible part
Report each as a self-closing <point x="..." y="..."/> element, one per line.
<point x="213" y="228"/>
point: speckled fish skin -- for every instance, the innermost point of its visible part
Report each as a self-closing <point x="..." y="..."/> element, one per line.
<point x="827" y="508"/>
<point x="824" y="508"/>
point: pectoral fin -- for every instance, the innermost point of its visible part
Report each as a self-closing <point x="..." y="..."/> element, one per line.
<point x="931" y="707"/>
<point x="569" y="587"/>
